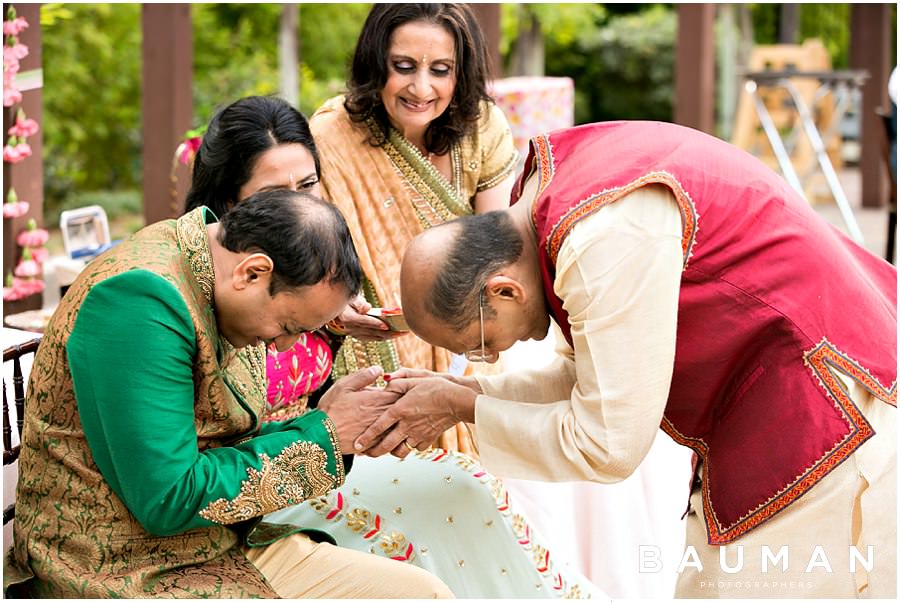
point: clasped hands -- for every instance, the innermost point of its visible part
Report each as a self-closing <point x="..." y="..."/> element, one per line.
<point x="409" y="413"/>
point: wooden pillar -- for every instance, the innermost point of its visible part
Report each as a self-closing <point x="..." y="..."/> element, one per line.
<point x="488" y="16"/>
<point x="27" y="176"/>
<point x="788" y="23"/>
<point x="166" y="103"/>
<point x="695" y="67"/>
<point x="871" y="28"/>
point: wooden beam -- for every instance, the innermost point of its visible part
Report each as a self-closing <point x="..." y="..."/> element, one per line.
<point x="695" y="67"/>
<point x="871" y="30"/>
<point x="166" y="103"/>
<point x="27" y="176"/>
<point x="488" y="16"/>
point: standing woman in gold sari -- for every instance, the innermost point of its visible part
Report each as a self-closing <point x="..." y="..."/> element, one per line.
<point x="415" y="142"/>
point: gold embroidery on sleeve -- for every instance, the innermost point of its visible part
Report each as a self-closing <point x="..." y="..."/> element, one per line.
<point x="299" y="472"/>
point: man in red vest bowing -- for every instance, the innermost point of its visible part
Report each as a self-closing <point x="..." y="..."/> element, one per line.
<point x="694" y="291"/>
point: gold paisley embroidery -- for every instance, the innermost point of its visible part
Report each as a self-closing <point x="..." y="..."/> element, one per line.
<point x="297" y="473"/>
<point x="192" y="237"/>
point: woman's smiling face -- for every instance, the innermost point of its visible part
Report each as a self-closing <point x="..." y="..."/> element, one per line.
<point x="421" y="75"/>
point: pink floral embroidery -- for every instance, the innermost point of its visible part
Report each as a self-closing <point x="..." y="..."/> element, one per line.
<point x="297" y="372"/>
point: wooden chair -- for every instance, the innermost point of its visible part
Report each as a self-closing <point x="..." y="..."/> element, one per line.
<point x="14" y="354"/>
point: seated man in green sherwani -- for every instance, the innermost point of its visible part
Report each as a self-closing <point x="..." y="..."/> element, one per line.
<point x="145" y="464"/>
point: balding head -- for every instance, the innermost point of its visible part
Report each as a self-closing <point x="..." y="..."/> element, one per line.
<point x="445" y="267"/>
<point x="306" y="238"/>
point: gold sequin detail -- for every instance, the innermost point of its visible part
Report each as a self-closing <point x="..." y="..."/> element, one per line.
<point x="394" y="544"/>
<point x="192" y="238"/>
<point x="359" y="519"/>
<point x="299" y="472"/>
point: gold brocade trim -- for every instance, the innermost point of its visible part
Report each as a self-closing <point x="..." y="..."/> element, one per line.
<point x="355" y="355"/>
<point x="299" y="472"/>
<point x="338" y="453"/>
<point x="253" y="357"/>
<point x="286" y="412"/>
<point x="434" y="199"/>
<point x="193" y="239"/>
<point x="500" y="175"/>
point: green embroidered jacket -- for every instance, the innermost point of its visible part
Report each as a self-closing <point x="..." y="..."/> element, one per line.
<point x="143" y="457"/>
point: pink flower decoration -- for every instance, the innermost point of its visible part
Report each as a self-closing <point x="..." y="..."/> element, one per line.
<point x="13" y="207"/>
<point x="23" y="127"/>
<point x="32" y="236"/>
<point x="40" y="254"/>
<point x="11" y="154"/>
<point x="24" y="150"/>
<point x="10" y="66"/>
<point x="13" y="293"/>
<point x="11" y="96"/>
<point x="19" y="288"/>
<point x="20" y="51"/>
<point x="27" y="268"/>
<point x="14" y="27"/>
<point x="11" y="210"/>
<point x="187" y="149"/>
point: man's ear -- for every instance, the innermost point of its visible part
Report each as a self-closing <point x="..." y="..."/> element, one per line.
<point x="500" y="287"/>
<point x="256" y="268"/>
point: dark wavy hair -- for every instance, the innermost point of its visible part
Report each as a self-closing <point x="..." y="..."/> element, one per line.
<point x="306" y="238"/>
<point x="369" y="70"/>
<point x="484" y="244"/>
<point x="236" y="137"/>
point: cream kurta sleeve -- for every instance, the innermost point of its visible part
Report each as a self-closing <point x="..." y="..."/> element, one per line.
<point x="618" y="274"/>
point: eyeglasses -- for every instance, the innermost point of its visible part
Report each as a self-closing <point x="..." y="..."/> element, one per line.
<point x="481" y="355"/>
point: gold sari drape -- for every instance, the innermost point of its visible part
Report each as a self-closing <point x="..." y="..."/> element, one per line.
<point x="388" y="195"/>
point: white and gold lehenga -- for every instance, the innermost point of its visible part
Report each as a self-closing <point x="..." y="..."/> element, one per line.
<point x="439" y="510"/>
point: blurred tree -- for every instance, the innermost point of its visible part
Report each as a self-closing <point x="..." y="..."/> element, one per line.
<point x="525" y="28"/>
<point x="92" y="79"/>
<point x="91" y="65"/>
<point x="328" y="35"/>
<point x="622" y="69"/>
<point x="827" y="22"/>
<point x="236" y="53"/>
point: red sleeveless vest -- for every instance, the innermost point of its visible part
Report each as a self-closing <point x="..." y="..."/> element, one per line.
<point x="773" y="300"/>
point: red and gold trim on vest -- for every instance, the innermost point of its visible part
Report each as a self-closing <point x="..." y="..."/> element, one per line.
<point x="543" y="154"/>
<point x="822" y="360"/>
<point x="595" y="202"/>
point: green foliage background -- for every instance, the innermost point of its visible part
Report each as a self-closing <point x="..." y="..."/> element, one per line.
<point x="620" y="56"/>
<point x="92" y="83"/>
